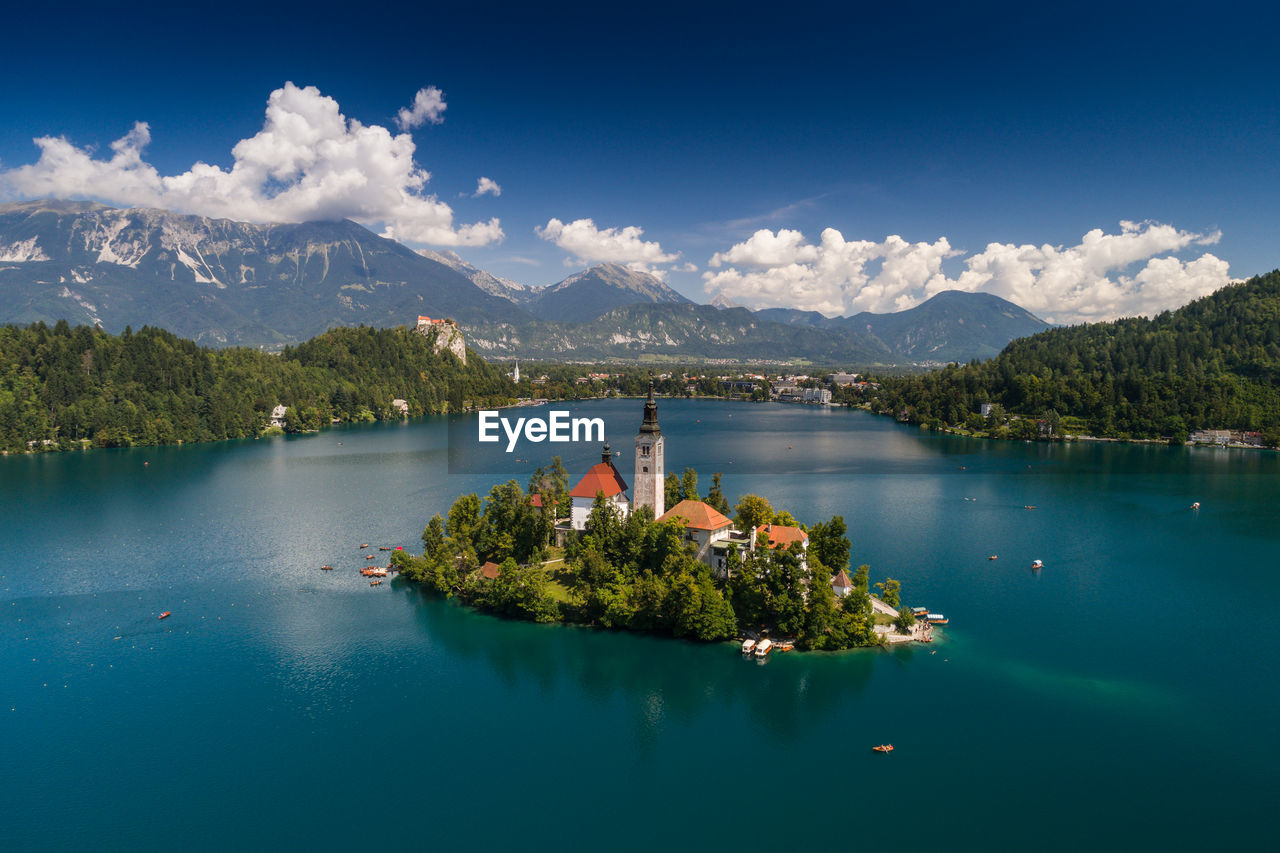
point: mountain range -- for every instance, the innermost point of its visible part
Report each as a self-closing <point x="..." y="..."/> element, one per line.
<point x="221" y="282"/>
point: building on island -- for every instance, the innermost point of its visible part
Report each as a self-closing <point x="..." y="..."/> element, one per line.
<point x="841" y="585"/>
<point x="602" y="479"/>
<point x="650" y="465"/>
<point x="710" y="531"/>
<point x="277" y="416"/>
<point x="781" y="536"/>
<point x="401" y="407"/>
<point x="490" y="570"/>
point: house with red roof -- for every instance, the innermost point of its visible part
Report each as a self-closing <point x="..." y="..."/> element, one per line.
<point x="709" y="530"/>
<point x="841" y="584"/>
<point x="781" y="536"/>
<point x="602" y="479"/>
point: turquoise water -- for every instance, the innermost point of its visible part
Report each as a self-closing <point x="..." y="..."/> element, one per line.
<point x="1122" y="697"/>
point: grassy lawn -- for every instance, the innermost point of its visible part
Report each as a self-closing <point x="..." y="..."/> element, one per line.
<point x="881" y="619"/>
<point x="561" y="578"/>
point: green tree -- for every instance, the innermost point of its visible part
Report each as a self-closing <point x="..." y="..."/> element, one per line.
<point x="671" y="490"/>
<point x="689" y="485"/>
<point x="752" y="511"/>
<point x="715" y="497"/>
<point x="829" y="544"/>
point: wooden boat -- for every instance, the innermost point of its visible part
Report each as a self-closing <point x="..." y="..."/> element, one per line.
<point x="1029" y="506"/>
<point x="166" y="614"/>
<point x="936" y="619"/>
<point x="326" y="568"/>
<point x="1196" y="505"/>
<point x="384" y="547"/>
<point x="374" y="583"/>
<point x="764" y="647"/>
<point x="748" y="646"/>
<point x="368" y="556"/>
<point x="884" y="747"/>
<point x="1037" y="564"/>
<point x="365" y="545"/>
<point x="920" y="612"/>
<point x="994" y="557"/>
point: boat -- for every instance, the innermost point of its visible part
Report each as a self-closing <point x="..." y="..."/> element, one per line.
<point x="166" y="614"/>
<point x="374" y="583"/>
<point x="384" y="547"/>
<point x="1037" y="564"/>
<point x="365" y="545"/>
<point x="1196" y="505"/>
<point x="936" y="619"/>
<point x="748" y="646"/>
<point x="326" y="568"/>
<point x="884" y="747"/>
<point x="368" y="556"/>
<point x="994" y="557"/>
<point x="919" y="612"/>
<point x="1029" y="506"/>
<point x="764" y="647"/>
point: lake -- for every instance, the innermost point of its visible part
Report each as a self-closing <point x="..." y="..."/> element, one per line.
<point x="1122" y="697"/>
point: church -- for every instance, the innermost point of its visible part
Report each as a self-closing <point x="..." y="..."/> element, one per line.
<point x="710" y="532"/>
<point x="604" y="478"/>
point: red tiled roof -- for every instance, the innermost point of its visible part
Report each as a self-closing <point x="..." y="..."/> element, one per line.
<point x="536" y="500"/>
<point x="697" y="515"/>
<point x="602" y="477"/>
<point x="490" y="570"/>
<point x="782" y="535"/>
<point x="842" y="580"/>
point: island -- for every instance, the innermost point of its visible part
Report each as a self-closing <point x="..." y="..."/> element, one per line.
<point x="592" y="555"/>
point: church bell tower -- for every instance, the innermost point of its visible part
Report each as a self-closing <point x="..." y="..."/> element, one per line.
<point x="650" y="485"/>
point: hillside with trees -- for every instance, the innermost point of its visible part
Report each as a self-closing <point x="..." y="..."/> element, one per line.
<point x="64" y="387"/>
<point x="1213" y="364"/>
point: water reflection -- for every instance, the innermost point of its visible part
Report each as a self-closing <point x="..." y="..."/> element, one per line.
<point x="660" y="679"/>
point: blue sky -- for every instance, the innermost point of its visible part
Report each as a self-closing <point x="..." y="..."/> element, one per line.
<point x="701" y="124"/>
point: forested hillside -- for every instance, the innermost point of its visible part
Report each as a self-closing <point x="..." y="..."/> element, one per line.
<point x="1213" y="364"/>
<point x="60" y="386"/>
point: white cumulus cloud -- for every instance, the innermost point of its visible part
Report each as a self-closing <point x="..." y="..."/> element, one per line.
<point x="1094" y="280"/>
<point x="428" y="106"/>
<point x="589" y="244"/>
<point x="487" y="186"/>
<point x="309" y="162"/>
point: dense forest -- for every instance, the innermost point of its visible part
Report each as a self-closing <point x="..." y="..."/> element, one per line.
<point x="64" y="387"/>
<point x="1213" y="364"/>
<point x="637" y="574"/>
